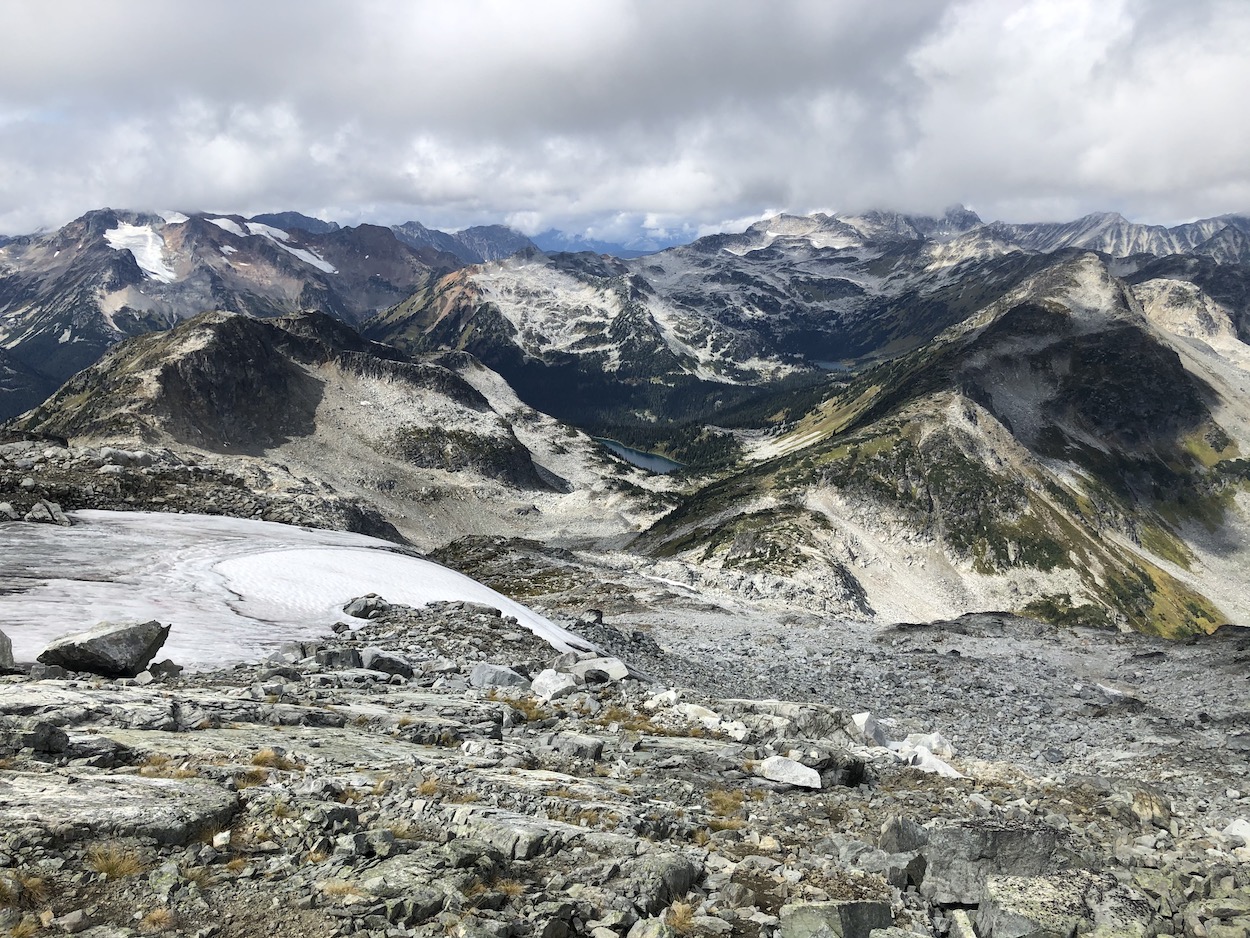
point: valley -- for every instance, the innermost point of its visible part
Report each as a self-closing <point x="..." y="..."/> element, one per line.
<point x="946" y="640"/>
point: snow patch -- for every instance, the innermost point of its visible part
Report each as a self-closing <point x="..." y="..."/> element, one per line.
<point x="228" y="250"/>
<point x="225" y="224"/>
<point x="280" y="237"/>
<point x="65" y="336"/>
<point x="276" y="234"/>
<point x="231" y="588"/>
<point x="173" y="218"/>
<point x="147" y="246"/>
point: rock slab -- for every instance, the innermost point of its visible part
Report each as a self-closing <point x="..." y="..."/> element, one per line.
<point x="789" y="772"/>
<point x="170" y="811"/>
<point x="111" y="649"/>
<point x="7" y="664"/>
<point x="842" y="919"/>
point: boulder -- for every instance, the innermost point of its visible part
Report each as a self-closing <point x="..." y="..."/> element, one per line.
<point x="493" y="675"/>
<point x="369" y="606"/>
<point x="960" y="855"/>
<point x="551" y="684"/>
<point x="789" y="772"/>
<point x="46" y="512"/>
<point x="659" y="878"/>
<point x="839" y="919"/>
<point x="573" y="745"/>
<point x="1238" y="832"/>
<point x="614" y="668"/>
<point x="869" y="729"/>
<point x="7" y="664"/>
<point x="87" y="807"/>
<point x="111" y="649"/>
<point x="8" y="512"/>
<point x="375" y="659"/>
<point x="1022" y="907"/>
<point x="901" y="835"/>
<point x="1061" y="905"/>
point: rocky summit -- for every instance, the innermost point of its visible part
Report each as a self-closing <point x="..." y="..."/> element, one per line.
<point x="442" y="771"/>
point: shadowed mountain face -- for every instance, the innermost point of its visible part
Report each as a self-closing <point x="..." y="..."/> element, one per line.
<point x="68" y="296"/>
<point x="228" y="383"/>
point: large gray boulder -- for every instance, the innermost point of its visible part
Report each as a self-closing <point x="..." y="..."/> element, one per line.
<point x="7" y="664"/>
<point x="840" y="919"/>
<point x="111" y="649"/>
<point x="961" y="855"/>
<point x="789" y="772"/>
<point x="487" y="675"/>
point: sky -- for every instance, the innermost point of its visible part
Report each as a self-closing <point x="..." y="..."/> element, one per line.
<point x="622" y="119"/>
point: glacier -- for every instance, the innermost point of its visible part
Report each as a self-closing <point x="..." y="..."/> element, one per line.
<point x="233" y="589"/>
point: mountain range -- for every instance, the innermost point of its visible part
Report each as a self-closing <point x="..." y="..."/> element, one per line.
<point x="880" y="414"/>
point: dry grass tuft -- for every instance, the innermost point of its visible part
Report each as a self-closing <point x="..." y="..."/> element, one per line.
<point x="34" y="890"/>
<point x="429" y="787"/>
<point x="250" y="778"/>
<point x="28" y="926"/>
<point x="158" y="920"/>
<point x="113" y="861"/>
<point x="237" y="865"/>
<point x="530" y="708"/>
<point x="341" y="888"/>
<point x="725" y="803"/>
<point x="199" y="876"/>
<point x="271" y="758"/>
<point x="680" y="917"/>
<point x="511" y="888"/>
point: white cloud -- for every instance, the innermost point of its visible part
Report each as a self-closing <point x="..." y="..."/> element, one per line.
<point x="613" y="114"/>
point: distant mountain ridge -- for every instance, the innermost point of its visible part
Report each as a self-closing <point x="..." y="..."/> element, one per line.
<point x="67" y="296"/>
<point x="904" y="415"/>
<point x="471" y="246"/>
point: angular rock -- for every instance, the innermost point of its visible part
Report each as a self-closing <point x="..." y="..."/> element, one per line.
<point x="1020" y="907"/>
<point x="7" y="664"/>
<point x="574" y="745"/>
<point x="901" y="835"/>
<point x="46" y="512"/>
<point x="659" y="878"/>
<point x="843" y="919"/>
<point x="1062" y="904"/>
<point x="789" y="772"/>
<point x="1238" y="832"/>
<point x="369" y="606"/>
<point x="111" y="649"/>
<point x="869" y="729"/>
<point x="962" y="854"/>
<point x="551" y="684"/>
<point x="614" y="668"/>
<point x="375" y="659"/>
<point x="493" y="675"/>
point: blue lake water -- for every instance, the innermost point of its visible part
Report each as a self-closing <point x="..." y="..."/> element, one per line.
<point x="649" y="461"/>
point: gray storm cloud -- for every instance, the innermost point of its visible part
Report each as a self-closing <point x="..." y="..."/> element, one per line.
<point x="616" y="117"/>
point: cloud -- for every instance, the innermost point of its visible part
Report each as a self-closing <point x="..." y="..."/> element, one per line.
<point x="598" y="116"/>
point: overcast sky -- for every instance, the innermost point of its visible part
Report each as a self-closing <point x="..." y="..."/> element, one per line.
<point x="613" y="117"/>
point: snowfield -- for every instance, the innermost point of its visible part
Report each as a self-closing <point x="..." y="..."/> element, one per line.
<point x="147" y="246"/>
<point x="232" y="589"/>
